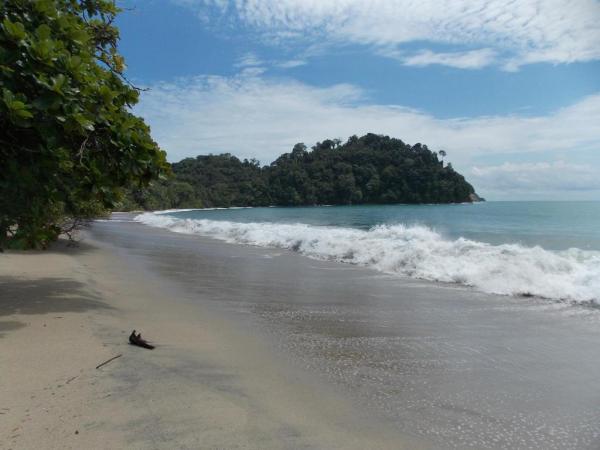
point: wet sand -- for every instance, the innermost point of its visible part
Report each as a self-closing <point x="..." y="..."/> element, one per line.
<point x="213" y="381"/>
<point x="456" y="368"/>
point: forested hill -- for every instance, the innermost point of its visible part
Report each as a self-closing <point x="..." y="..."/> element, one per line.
<point x="369" y="169"/>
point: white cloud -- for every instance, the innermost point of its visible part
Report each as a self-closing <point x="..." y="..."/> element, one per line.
<point x="520" y="31"/>
<point x="249" y="60"/>
<point x="253" y="71"/>
<point x="473" y="59"/>
<point x="250" y="117"/>
<point x="292" y="63"/>
<point x="511" y="180"/>
<point x="554" y="175"/>
<point x="251" y="64"/>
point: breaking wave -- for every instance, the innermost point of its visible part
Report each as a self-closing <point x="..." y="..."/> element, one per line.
<point x="419" y="252"/>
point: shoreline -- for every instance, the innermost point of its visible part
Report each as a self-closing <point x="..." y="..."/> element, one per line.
<point x="208" y="385"/>
<point x="410" y="250"/>
<point x="265" y="348"/>
<point x="456" y="367"/>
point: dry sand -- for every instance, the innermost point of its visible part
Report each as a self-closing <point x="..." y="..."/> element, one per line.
<point x="206" y="385"/>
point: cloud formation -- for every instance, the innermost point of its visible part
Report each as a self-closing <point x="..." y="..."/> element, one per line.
<point x="249" y="60"/>
<point x="550" y="180"/>
<point x="517" y="32"/>
<point x="473" y="59"/>
<point x="292" y="63"/>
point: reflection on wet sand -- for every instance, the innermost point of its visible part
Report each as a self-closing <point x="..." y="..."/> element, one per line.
<point x="465" y="369"/>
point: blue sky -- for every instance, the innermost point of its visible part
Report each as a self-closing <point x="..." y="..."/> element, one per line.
<point x="511" y="90"/>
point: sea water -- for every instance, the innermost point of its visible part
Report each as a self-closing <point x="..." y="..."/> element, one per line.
<point x="544" y="249"/>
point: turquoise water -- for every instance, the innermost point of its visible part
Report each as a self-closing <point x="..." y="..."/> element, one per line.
<point x="551" y="225"/>
<point x="544" y="249"/>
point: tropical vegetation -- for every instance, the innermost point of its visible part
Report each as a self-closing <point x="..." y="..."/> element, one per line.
<point x="367" y="169"/>
<point x="69" y="143"/>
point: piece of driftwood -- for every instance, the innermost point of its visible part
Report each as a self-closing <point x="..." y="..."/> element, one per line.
<point x="136" y="339"/>
<point x="109" y="360"/>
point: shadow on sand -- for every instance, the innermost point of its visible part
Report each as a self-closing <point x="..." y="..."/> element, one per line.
<point x="42" y="296"/>
<point x="62" y="246"/>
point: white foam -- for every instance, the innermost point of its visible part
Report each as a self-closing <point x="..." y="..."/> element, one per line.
<point x="166" y="211"/>
<point x="419" y="252"/>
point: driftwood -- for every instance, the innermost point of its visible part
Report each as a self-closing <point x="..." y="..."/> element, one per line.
<point x="107" y="361"/>
<point x="136" y="339"/>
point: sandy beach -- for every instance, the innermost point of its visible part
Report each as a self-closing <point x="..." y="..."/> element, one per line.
<point x="206" y="385"/>
<point x="262" y="348"/>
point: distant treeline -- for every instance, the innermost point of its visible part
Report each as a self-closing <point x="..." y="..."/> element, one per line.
<point x="369" y="169"/>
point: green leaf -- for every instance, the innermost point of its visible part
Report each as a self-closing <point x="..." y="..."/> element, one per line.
<point x="58" y="82"/>
<point x="43" y="31"/>
<point x="84" y="123"/>
<point x="80" y="36"/>
<point x="24" y="114"/>
<point x="16" y="30"/>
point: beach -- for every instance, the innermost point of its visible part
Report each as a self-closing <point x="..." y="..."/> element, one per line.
<point x="208" y="383"/>
<point x="265" y="348"/>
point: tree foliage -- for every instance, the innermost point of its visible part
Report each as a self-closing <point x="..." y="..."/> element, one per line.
<point x="224" y="180"/>
<point x="369" y="169"/>
<point x="68" y="141"/>
<point x="163" y="194"/>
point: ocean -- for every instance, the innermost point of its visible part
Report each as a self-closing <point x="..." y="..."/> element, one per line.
<point x="389" y="306"/>
<point x="549" y="250"/>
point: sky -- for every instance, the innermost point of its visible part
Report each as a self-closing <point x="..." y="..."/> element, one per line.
<point x="510" y="89"/>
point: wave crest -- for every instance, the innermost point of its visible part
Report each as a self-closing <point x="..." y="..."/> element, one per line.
<point x="418" y="252"/>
